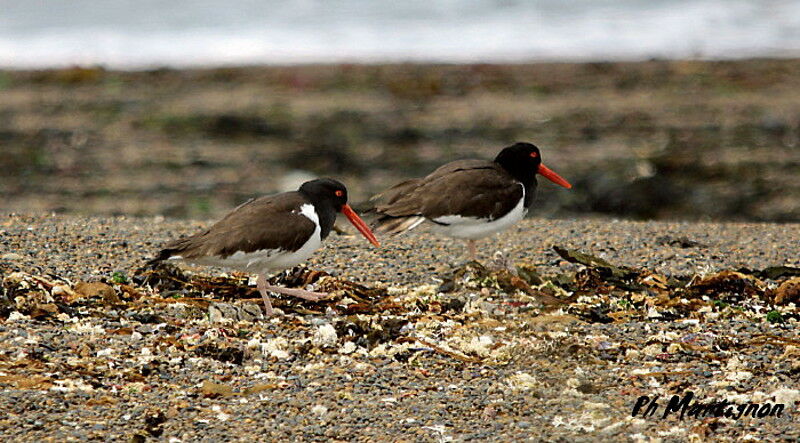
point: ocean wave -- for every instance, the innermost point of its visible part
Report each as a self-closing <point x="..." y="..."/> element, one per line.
<point x="125" y="34"/>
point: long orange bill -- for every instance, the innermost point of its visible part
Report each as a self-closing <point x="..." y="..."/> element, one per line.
<point x="553" y="177"/>
<point x="359" y="224"/>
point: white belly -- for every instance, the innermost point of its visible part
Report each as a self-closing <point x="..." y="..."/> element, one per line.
<point x="474" y="228"/>
<point x="263" y="259"/>
<point x="267" y="259"/>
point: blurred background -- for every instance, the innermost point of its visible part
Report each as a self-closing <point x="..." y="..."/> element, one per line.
<point x="652" y="109"/>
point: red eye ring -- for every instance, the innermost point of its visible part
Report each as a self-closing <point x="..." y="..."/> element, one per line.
<point x="339" y="193"/>
<point x="534" y="154"/>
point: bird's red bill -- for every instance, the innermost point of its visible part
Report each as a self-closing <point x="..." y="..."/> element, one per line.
<point x="359" y="224"/>
<point x="553" y="177"/>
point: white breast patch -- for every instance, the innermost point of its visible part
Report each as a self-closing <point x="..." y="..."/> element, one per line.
<point x="474" y="228"/>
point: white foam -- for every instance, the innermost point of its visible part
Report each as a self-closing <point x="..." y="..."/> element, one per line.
<point x="125" y="34"/>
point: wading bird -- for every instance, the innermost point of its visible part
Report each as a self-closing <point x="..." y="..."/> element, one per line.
<point x="467" y="199"/>
<point x="269" y="234"/>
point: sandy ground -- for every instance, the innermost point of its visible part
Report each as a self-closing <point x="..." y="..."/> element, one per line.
<point x="90" y="351"/>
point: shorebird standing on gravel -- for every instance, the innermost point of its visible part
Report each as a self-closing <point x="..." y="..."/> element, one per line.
<point x="269" y="234"/>
<point x="467" y="199"/>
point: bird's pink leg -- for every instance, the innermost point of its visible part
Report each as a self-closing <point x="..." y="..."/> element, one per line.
<point x="262" y="285"/>
<point x="300" y="293"/>
<point x="473" y="251"/>
<point x="265" y="288"/>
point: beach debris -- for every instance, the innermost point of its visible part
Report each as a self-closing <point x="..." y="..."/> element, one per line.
<point x="474" y="275"/>
<point x="788" y="292"/>
<point x="679" y="241"/>
<point x="773" y="272"/>
<point x="325" y="336"/>
<point x="99" y="290"/>
<point x="597" y="291"/>
<point x="218" y="312"/>
<point x="211" y="389"/>
<point x="521" y="381"/>
<point x="727" y="282"/>
<point x="172" y="282"/>
<point x="128" y="337"/>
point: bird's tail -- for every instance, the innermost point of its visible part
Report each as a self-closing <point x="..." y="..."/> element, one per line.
<point x="388" y="224"/>
<point x="172" y="250"/>
<point x="155" y="261"/>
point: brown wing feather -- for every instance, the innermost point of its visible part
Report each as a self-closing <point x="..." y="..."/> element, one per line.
<point x="391" y="195"/>
<point x="402" y="189"/>
<point x="272" y="222"/>
<point x="469" y="188"/>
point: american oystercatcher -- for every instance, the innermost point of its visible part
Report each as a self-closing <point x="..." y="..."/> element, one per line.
<point x="270" y="233"/>
<point x="467" y="199"/>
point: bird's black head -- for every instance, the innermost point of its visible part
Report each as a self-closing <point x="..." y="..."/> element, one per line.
<point x="325" y="192"/>
<point x="523" y="161"/>
<point x="329" y="196"/>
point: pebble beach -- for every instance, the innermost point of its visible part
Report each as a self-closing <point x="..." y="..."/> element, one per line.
<point x="90" y="351"/>
<point x="671" y="267"/>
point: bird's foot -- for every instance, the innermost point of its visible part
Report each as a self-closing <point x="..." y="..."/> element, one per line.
<point x="473" y="250"/>
<point x="264" y="288"/>
<point x="299" y="293"/>
<point x="467" y="264"/>
<point x="502" y="262"/>
<point x="308" y="295"/>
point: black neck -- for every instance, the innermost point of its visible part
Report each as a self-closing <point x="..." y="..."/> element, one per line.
<point x="521" y="173"/>
<point x="530" y="191"/>
<point x="325" y="211"/>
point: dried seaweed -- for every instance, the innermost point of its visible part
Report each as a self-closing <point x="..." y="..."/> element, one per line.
<point x="175" y="285"/>
<point x="590" y="261"/>
<point x="727" y="282"/>
<point x="598" y="292"/>
<point x="773" y="272"/>
<point x="369" y="332"/>
<point x="788" y="292"/>
<point x="680" y="242"/>
<point x="441" y="350"/>
<point x="475" y="275"/>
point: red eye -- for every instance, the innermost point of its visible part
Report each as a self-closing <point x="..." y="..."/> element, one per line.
<point x="534" y="154"/>
<point x="339" y="193"/>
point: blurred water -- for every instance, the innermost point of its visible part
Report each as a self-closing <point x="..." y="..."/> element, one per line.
<point x="142" y="33"/>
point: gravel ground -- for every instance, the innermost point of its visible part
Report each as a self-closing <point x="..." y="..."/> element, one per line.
<point x="78" y="362"/>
